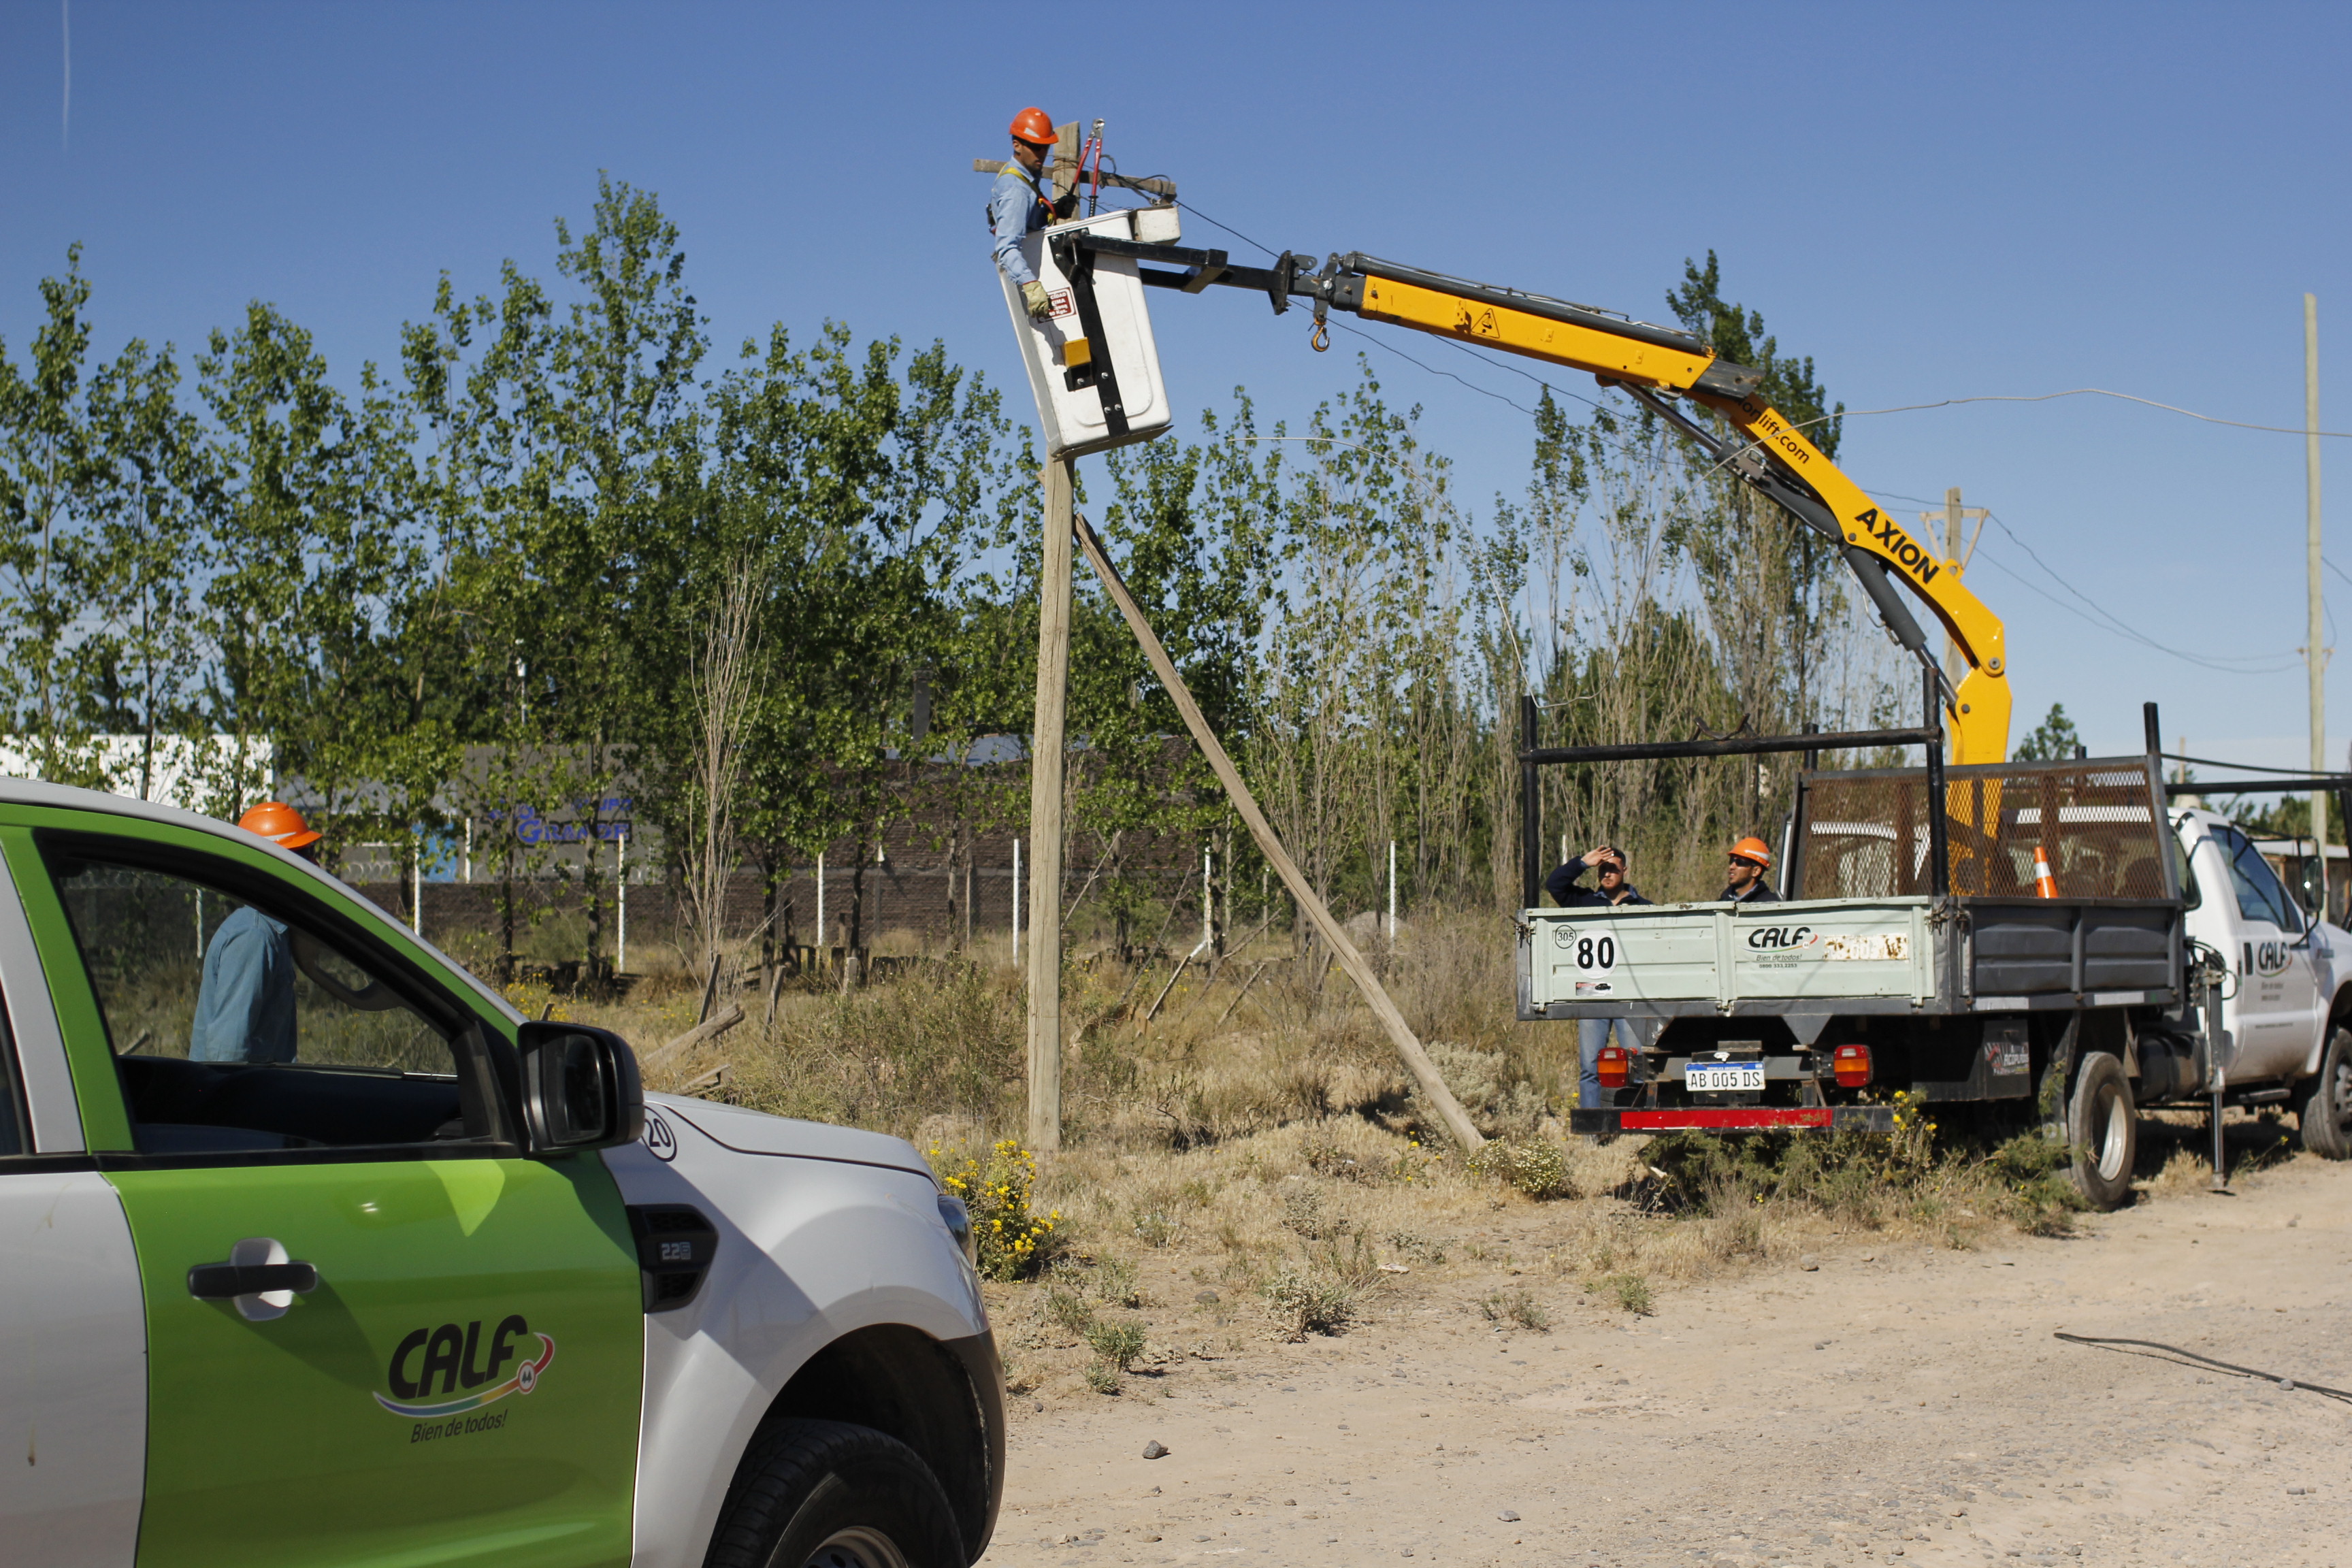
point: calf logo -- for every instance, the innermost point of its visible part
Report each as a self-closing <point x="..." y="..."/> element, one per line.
<point x="448" y="1355"/>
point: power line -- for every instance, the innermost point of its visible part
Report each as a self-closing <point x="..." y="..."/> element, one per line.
<point x="2099" y="615"/>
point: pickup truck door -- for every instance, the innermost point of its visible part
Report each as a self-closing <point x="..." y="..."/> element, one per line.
<point x="73" y="1337"/>
<point x="2275" y="1015"/>
<point x="271" y="1074"/>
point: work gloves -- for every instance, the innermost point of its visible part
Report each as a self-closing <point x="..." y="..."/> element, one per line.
<point x="1033" y="294"/>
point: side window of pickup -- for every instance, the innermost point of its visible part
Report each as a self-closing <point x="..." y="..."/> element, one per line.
<point x="2260" y="894"/>
<point x="237" y="1028"/>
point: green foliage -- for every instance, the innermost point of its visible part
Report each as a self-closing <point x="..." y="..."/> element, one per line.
<point x="561" y="559"/>
<point x="1117" y="1341"/>
<point x="2055" y="739"/>
<point x="2036" y="1181"/>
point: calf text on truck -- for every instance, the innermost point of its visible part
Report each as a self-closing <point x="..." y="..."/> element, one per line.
<point x="2047" y="937"/>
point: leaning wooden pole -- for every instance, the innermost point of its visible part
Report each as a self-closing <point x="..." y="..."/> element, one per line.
<point x="1401" y="1035"/>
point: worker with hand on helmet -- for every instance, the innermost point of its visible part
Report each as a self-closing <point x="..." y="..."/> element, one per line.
<point x="1608" y="865"/>
<point x="1018" y="205"/>
<point x="1749" y="860"/>
<point x="245" y="1010"/>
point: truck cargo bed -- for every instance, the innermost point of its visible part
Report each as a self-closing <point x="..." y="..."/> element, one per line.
<point x="1824" y="957"/>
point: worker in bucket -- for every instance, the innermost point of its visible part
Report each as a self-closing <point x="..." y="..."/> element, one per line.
<point x="1744" y="882"/>
<point x="1018" y="205"/>
<point x="1607" y="863"/>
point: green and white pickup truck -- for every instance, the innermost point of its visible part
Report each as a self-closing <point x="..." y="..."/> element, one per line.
<point x="445" y="1288"/>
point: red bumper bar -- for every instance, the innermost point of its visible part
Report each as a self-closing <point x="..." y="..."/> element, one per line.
<point x="1734" y="1119"/>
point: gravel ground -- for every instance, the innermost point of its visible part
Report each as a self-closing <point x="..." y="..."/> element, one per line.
<point x="1892" y="1403"/>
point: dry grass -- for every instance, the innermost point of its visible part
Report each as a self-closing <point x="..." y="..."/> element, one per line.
<point x="1240" y="1168"/>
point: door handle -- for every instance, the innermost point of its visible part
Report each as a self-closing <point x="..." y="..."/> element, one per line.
<point x="259" y="1278"/>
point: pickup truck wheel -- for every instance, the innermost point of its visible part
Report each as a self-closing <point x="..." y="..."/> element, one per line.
<point x="2102" y="1129"/>
<point x="826" y="1494"/>
<point x="2323" y="1111"/>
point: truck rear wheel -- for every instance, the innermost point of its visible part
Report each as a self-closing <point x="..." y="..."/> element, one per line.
<point x="2102" y="1127"/>
<point x="2323" y="1111"/>
<point x="826" y="1494"/>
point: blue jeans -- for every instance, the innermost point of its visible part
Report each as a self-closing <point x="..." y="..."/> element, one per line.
<point x="1592" y="1034"/>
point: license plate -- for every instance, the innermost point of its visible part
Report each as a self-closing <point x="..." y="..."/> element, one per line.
<point x="1717" y="1078"/>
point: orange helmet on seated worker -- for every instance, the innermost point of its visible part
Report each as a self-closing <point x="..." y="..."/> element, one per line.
<point x="1752" y="848"/>
<point x="280" y="824"/>
<point x="1031" y="125"/>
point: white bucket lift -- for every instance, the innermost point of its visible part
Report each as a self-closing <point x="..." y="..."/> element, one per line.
<point x="1101" y="411"/>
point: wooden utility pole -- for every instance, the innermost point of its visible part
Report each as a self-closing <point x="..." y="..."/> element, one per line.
<point x="1407" y="1046"/>
<point x="1953" y="515"/>
<point x="2318" y="654"/>
<point x="1047" y="754"/>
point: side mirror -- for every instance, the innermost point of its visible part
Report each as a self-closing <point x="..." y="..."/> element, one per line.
<point x="580" y="1089"/>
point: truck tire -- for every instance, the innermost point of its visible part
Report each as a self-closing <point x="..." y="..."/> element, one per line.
<point x="2323" y="1111"/>
<point x="826" y="1494"/>
<point x="2102" y="1128"/>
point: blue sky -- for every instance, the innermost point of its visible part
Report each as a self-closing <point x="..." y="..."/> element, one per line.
<point x="1932" y="203"/>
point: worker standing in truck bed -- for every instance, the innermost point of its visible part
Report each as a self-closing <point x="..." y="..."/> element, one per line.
<point x="1744" y="881"/>
<point x="1018" y="205"/>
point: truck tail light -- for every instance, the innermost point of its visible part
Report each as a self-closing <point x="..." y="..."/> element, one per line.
<point x="1852" y="1064"/>
<point x="1614" y="1065"/>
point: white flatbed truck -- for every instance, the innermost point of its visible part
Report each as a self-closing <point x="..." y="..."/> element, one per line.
<point x="2160" y="962"/>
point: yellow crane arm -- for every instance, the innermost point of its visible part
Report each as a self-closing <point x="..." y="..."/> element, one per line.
<point x="1662" y="368"/>
<point x="1658" y="360"/>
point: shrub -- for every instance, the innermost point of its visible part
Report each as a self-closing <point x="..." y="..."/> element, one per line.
<point x="1326" y="1158"/>
<point x="1629" y="1291"/>
<point x="1116" y="1282"/>
<point x="1304" y="1302"/>
<point x="1102" y="1379"/>
<point x="1118" y="1342"/>
<point x="1303" y="1213"/>
<point x="1518" y="1307"/>
<point x="1490" y="1088"/>
<point x="1417" y="1245"/>
<point x="1070" y="1309"/>
<point x="2037" y="1183"/>
<point x="1529" y="1165"/>
<point x="1016" y="1242"/>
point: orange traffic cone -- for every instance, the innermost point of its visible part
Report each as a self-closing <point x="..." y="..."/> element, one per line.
<point x="2045" y="885"/>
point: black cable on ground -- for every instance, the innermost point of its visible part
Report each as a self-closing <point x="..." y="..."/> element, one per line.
<point x="2191" y="1357"/>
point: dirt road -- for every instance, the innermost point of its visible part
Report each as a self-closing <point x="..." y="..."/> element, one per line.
<point x="1892" y="1403"/>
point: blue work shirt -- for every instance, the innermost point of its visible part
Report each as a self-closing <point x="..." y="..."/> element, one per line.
<point x="245" y="1010"/>
<point x="1014" y="210"/>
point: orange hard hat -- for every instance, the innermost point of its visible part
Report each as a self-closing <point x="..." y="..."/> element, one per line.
<point x="1031" y="125"/>
<point x="279" y="822"/>
<point x="1752" y="848"/>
